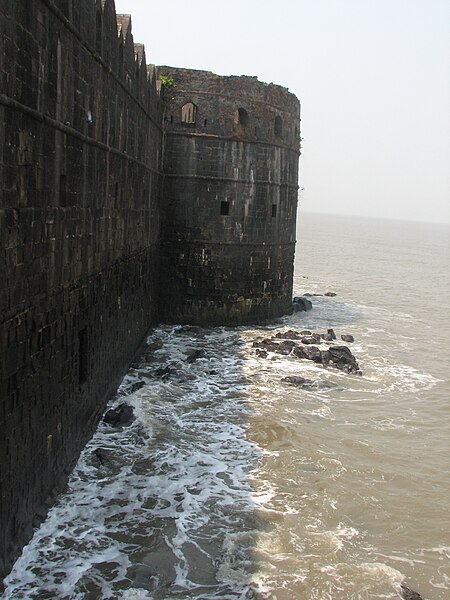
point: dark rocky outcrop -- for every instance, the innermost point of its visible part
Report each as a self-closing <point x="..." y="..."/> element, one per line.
<point x="134" y="387"/>
<point x="341" y="358"/>
<point x="329" y="336"/>
<point x="330" y="294"/>
<point x="300" y="303"/>
<point x="407" y="594"/>
<point x="194" y="355"/>
<point x="120" y="416"/>
<point x="338" y="357"/>
<point x="290" y="335"/>
<point x="347" y="338"/>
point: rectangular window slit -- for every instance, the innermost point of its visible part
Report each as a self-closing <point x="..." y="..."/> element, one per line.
<point x="225" y="208"/>
<point x="274" y="210"/>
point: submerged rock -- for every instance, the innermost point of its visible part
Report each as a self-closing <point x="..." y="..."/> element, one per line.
<point x="137" y="385"/>
<point x="194" y="354"/>
<point x="308" y="383"/>
<point x="347" y="338"/>
<point x="120" y="416"/>
<point x="407" y="594"/>
<point x="330" y="294"/>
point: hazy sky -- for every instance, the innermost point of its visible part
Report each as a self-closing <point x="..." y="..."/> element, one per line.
<point x="372" y="76"/>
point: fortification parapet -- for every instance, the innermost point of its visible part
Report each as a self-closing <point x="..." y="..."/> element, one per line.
<point x="230" y="198"/>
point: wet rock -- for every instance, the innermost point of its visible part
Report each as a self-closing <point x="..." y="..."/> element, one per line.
<point x="163" y="373"/>
<point x="330" y="294"/>
<point x="308" y="352"/>
<point x="261" y="353"/>
<point x="329" y="336"/>
<point x="342" y="358"/>
<point x="407" y="594"/>
<point x="137" y="385"/>
<point x="320" y="384"/>
<point x="213" y="372"/>
<point x="308" y="295"/>
<point x="347" y="338"/>
<point x="300" y="303"/>
<point x="305" y="332"/>
<point x="102" y="456"/>
<point x="194" y="355"/>
<point x="266" y="344"/>
<point x="298" y="381"/>
<point x="120" y="416"/>
<point x="288" y="335"/>
<point x="286" y="347"/>
<point x="311" y="339"/>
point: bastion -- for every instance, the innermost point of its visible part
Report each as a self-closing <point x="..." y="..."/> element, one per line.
<point x="129" y="195"/>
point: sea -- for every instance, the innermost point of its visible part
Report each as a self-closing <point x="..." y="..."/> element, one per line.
<point x="233" y="483"/>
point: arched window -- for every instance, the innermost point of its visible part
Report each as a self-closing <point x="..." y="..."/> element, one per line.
<point x="243" y="118"/>
<point x="278" y="126"/>
<point x="188" y="113"/>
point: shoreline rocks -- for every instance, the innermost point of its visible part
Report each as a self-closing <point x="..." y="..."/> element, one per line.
<point x="304" y="345"/>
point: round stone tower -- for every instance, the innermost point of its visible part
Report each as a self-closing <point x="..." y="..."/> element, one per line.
<point x="230" y="198"/>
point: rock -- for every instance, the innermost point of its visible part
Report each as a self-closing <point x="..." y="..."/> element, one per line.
<point x="311" y="339"/>
<point x="266" y="344"/>
<point x="310" y="353"/>
<point x="407" y="594"/>
<point x="330" y="335"/>
<point x="305" y="332"/>
<point x="134" y="387"/>
<point x="347" y="338"/>
<point x="163" y="372"/>
<point x="330" y="294"/>
<point x="301" y="304"/>
<point x="194" y="354"/>
<point x="261" y="353"/>
<point x="342" y="358"/>
<point x="120" y="416"/>
<point x="308" y="295"/>
<point x="286" y="347"/>
<point x="288" y="335"/>
<point x="299" y="381"/>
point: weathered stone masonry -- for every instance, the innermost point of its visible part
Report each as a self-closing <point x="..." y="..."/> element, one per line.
<point x="230" y="198"/>
<point x="97" y="244"/>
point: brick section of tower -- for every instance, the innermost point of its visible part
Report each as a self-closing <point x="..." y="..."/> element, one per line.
<point x="230" y="198"/>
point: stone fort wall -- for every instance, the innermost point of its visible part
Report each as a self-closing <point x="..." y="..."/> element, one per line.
<point x="119" y="206"/>
<point x="80" y="173"/>
<point x="230" y="198"/>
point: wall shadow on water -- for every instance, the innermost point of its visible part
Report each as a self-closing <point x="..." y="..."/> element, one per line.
<point x="161" y="508"/>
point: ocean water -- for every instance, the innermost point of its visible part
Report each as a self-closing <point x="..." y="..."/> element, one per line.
<point x="232" y="483"/>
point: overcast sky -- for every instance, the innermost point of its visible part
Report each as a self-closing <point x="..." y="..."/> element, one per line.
<point x="372" y="76"/>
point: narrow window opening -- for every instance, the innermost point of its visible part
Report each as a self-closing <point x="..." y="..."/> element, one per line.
<point x="188" y="113"/>
<point x="205" y="122"/>
<point x="243" y="117"/>
<point x="116" y="195"/>
<point x="274" y="210"/>
<point x="225" y="208"/>
<point x="171" y="119"/>
<point x="278" y="126"/>
<point x="83" y="363"/>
